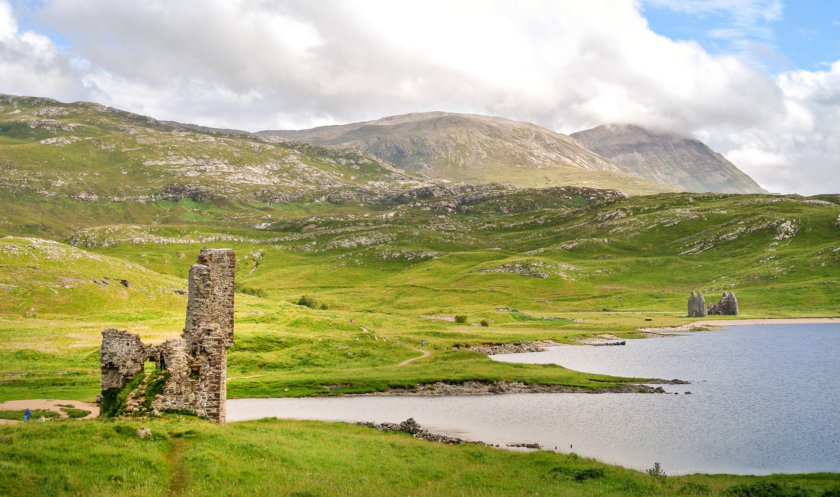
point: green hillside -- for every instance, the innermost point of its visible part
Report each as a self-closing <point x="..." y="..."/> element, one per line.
<point x="571" y="262"/>
<point x="91" y="152"/>
<point x="345" y="266"/>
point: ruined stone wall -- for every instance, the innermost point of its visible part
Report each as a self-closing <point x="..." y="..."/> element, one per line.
<point x="121" y="357"/>
<point x="727" y="306"/>
<point x="697" y="307"/>
<point x="195" y="363"/>
<point x="211" y="292"/>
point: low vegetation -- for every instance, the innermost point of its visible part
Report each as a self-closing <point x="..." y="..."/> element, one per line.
<point x="185" y="456"/>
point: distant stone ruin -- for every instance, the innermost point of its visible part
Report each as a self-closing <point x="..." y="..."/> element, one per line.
<point x="697" y="306"/>
<point x="727" y="306"/>
<point x="191" y="371"/>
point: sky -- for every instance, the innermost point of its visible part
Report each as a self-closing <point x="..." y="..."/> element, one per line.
<point x="757" y="80"/>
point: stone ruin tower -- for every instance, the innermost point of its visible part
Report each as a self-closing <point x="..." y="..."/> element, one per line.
<point x="193" y="366"/>
<point x="696" y="305"/>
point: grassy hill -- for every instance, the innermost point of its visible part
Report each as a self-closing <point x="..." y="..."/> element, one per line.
<point x="91" y="152"/>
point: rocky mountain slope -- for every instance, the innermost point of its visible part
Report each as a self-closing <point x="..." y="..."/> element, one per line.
<point x="477" y="149"/>
<point x="668" y="158"/>
<point x="90" y="152"/>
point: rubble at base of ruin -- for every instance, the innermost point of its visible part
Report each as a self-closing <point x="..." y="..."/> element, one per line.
<point x="195" y="364"/>
<point x="697" y="307"/>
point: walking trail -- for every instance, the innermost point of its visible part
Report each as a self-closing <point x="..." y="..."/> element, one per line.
<point x="425" y="353"/>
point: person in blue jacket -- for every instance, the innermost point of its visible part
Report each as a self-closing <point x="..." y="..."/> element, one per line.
<point x="27" y="414"/>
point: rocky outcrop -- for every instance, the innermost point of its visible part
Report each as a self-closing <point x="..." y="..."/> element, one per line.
<point x="696" y="305"/>
<point x="191" y="369"/>
<point x="506" y="348"/>
<point x="414" y="429"/>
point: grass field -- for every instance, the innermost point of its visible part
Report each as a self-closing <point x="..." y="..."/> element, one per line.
<point x="184" y="456"/>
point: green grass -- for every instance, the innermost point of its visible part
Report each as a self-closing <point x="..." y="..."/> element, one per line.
<point x="270" y="457"/>
<point x="74" y="413"/>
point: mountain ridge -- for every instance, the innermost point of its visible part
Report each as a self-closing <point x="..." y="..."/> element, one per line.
<point x="476" y="149"/>
<point x="662" y="156"/>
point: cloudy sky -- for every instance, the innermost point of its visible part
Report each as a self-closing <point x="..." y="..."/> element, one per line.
<point x="758" y="80"/>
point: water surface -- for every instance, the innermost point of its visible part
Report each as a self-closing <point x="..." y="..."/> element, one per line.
<point x="764" y="399"/>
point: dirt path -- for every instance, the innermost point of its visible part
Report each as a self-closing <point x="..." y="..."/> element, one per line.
<point x="180" y="473"/>
<point x="425" y="353"/>
<point x="48" y="405"/>
<point x="245" y="377"/>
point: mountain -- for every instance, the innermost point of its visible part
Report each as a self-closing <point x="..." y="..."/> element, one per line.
<point x="477" y="149"/>
<point x="668" y="158"/>
<point x="92" y="152"/>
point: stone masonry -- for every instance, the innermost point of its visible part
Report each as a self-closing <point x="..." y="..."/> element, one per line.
<point x="728" y="305"/>
<point x="696" y="305"/>
<point x="195" y="364"/>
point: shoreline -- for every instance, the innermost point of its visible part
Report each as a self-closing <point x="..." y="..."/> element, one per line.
<point x="441" y="389"/>
<point x="740" y="322"/>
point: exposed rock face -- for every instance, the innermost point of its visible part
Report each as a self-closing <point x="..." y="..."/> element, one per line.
<point x="195" y="364"/>
<point x="696" y="305"/>
<point x="667" y="158"/>
<point x="727" y="306"/>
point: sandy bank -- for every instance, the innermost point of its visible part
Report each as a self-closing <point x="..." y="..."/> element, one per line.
<point x="48" y="405"/>
<point x="740" y="322"/>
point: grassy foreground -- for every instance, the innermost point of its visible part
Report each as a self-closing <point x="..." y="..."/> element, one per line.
<point x="297" y="458"/>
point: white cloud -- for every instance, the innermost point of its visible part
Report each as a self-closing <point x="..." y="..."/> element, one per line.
<point x="798" y="152"/>
<point x="30" y="63"/>
<point x="256" y="64"/>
